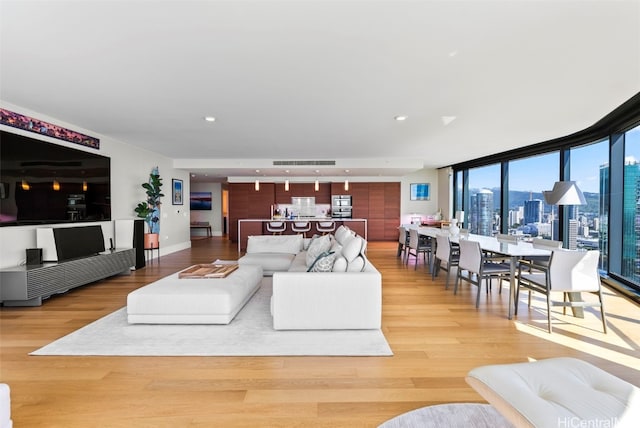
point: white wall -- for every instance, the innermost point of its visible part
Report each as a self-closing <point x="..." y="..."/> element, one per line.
<point x="409" y="208"/>
<point x="130" y="167"/>
<point x="214" y="217"/>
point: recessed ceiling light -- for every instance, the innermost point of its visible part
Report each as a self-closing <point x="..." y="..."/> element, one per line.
<point x="400" y="118"/>
<point x="210" y="118"/>
<point x="453" y="53"/>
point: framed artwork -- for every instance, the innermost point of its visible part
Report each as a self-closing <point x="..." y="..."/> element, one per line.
<point x="177" y="193"/>
<point x="420" y="191"/>
<point x="37" y="126"/>
<point x="200" y="201"/>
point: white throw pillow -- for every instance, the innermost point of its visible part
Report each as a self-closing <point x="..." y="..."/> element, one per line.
<point x="336" y="248"/>
<point x="342" y="234"/>
<point x="317" y="247"/>
<point x="352" y="249"/>
<point x="356" y="265"/>
<point x="340" y="264"/>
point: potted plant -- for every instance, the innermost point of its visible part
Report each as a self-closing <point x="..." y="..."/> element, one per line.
<point x="149" y="210"/>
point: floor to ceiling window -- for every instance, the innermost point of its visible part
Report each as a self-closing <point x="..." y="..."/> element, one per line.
<point x="484" y="200"/>
<point x="604" y="160"/>
<point x="528" y="213"/>
<point x="630" y="267"/>
<point x="588" y="224"/>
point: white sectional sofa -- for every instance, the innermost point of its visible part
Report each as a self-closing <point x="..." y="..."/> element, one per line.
<point x="345" y="294"/>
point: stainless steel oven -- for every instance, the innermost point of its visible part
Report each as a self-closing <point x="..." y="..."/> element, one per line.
<point x="341" y="206"/>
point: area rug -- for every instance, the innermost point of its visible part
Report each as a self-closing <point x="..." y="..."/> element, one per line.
<point x="249" y="334"/>
<point x="454" y="415"/>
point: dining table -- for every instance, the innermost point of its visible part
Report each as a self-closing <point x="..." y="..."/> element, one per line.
<point x="490" y="244"/>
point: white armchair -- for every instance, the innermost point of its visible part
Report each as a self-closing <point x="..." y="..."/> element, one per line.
<point x="568" y="272"/>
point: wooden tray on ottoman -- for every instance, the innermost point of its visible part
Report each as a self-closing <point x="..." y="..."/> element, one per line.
<point x="207" y="271"/>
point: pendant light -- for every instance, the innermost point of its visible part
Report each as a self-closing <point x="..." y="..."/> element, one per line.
<point x="56" y="185"/>
<point x="257" y="185"/>
<point x="286" y="185"/>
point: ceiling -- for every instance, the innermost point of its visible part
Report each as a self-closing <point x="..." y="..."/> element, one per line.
<point x="321" y="80"/>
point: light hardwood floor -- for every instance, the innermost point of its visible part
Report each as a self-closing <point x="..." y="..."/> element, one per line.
<point x="436" y="338"/>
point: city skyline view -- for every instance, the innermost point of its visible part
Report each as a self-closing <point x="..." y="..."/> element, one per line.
<point x="542" y="170"/>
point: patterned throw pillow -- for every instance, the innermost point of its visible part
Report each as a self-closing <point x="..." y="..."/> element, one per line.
<point x="323" y="263"/>
<point x="317" y="247"/>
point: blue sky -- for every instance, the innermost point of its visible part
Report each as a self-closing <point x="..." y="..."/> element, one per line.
<point x="540" y="172"/>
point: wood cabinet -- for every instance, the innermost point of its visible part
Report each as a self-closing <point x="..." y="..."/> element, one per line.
<point x="378" y="202"/>
<point x="246" y="202"/>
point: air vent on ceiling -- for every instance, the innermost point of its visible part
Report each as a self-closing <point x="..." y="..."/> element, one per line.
<point x="304" y="162"/>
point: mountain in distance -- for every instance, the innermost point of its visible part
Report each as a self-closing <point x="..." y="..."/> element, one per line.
<point x="518" y="197"/>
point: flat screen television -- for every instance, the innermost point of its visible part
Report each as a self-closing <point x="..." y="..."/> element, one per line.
<point x="46" y="183"/>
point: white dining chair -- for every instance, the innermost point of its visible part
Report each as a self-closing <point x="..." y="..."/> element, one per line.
<point x="569" y="271"/>
<point x="446" y="257"/>
<point x="403" y="242"/>
<point x="474" y="268"/>
<point x="418" y="246"/>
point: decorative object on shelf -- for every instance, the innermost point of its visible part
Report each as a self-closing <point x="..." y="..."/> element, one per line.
<point x="149" y="210"/>
<point x="176" y="192"/>
<point x="454" y="229"/>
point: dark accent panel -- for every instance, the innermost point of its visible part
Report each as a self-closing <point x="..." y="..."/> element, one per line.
<point x="74" y="242"/>
<point x="34" y="256"/>
<point x="138" y="243"/>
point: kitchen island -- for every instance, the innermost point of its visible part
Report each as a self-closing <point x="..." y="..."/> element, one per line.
<point x="257" y="226"/>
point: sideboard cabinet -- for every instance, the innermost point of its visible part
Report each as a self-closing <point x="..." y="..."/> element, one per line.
<point x="29" y="285"/>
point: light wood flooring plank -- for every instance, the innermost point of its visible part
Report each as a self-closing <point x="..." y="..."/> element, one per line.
<point x="436" y="336"/>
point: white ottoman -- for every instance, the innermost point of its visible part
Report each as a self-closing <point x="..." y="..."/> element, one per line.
<point x="558" y="392"/>
<point x="171" y="300"/>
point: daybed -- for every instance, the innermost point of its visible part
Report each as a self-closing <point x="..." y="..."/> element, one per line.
<point x="325" y="282"/>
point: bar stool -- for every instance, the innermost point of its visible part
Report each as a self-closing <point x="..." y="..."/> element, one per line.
<point x="301" y="227"/>
<point x="325" y="227"/>
<point x="276" y="227"/>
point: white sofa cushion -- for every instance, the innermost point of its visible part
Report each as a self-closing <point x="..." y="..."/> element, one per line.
<point x="284" y="244"/>
<point x="270" y="262"/>
<point x="299" y="263"/>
